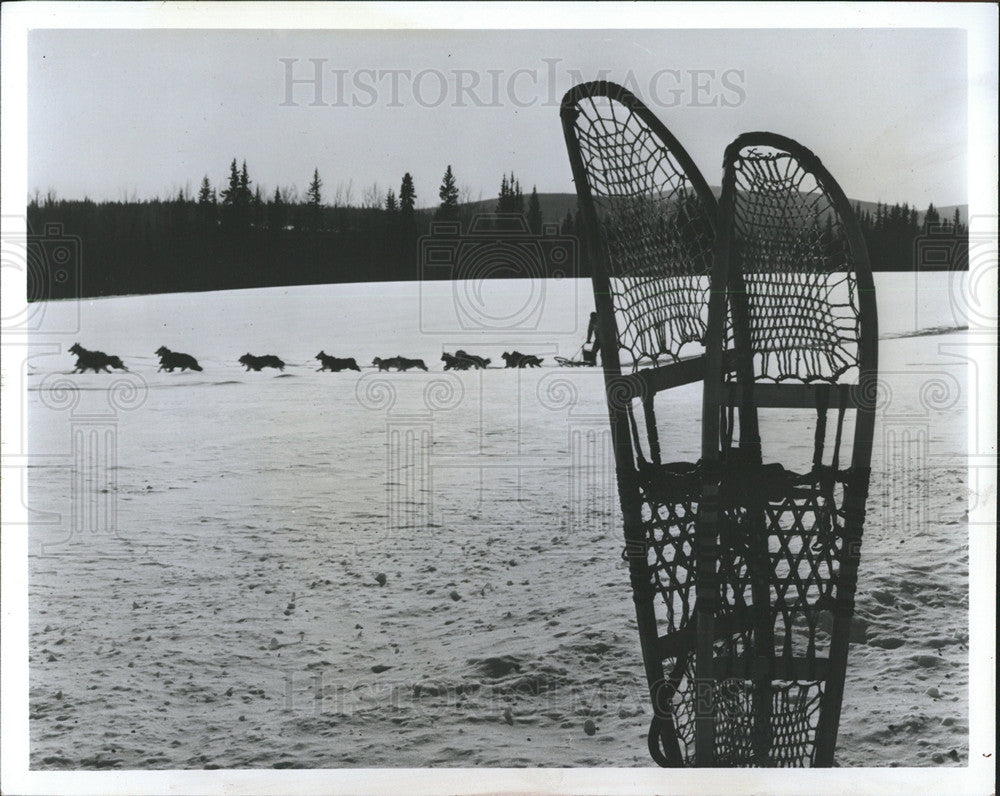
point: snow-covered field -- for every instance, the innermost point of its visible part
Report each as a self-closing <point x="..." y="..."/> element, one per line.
<point x="207" y="549"/>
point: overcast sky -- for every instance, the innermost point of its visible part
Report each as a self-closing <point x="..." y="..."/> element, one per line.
<point x="116" y="114"/>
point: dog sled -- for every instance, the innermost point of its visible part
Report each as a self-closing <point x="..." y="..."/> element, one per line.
<point x="588" y="359"/>
<point x="572" y="363"/>
<point x="743" y="570"/>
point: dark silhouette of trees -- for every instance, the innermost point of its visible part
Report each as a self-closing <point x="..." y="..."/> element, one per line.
<point x="448" y="193"/>
<point x="898" y="241"/>
<point x="244" y="200"/>
<point x="230" y="196"/>
<point x="207" y="213"/>
<point x="179" y="213"/>
<point x="566" y="226"/>
<point x="237" y="200"/>
<point x="407" y="196"/>
<point x="314" y="199"/>
<point x="277" y="214"/>
<point x="534" y="212"/>
<point x="406" y="239"/>
<point x="931" y="217"/>
<point x="510" y="199"/>
<point x="241" y="239"/>
<point x="257" y="216"/>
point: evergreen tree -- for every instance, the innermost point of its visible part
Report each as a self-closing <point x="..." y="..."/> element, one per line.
<point x="504" y="196"/>
<point x="448" y="209"/>
<point x="516" y="197"/>
<point x="314" y="195"/>
<point x="230" y="198"/>
<point x="567" y="227"/>
<point x="957" y="223"/>
<point x="205" y="192"/>
<point x="534" y="213"/>
<point x="406" y="231"/>
<point x="237" y="199"/>
<point x="314" y="199"/>
<point x="229" y="195"/>
<point x="894" y="216"/>
<point x="391" y="206"/>
<point x="407" y="197"/>
<point x="244" y="200"/>
<point x="931" y="217"/>
<point x="206" y="204"/>
<point x="244" y="190"/>
<point x="510" y="199"/>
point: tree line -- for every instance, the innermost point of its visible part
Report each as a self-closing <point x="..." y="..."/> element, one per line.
<point x="894" y="236"/>
<point x="237" y="236"/>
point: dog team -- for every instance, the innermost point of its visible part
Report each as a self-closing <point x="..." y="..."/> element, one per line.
<point x="99" y="362"/>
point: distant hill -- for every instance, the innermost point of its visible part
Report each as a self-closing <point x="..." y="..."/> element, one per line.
<point x="555" y="206"/>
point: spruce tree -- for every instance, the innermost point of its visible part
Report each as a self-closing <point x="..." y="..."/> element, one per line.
<point x="230" y="197"/>
<point x="534" y="213"/>
<point x="407" y="230"/>
<point x="244" y="190"/>
<point x="510" y="199"/>
<point x="407" y="197"/>
<point x="205" y="192"/>
<point x="516" y="197"/>
<point x="931" y="217"/>
<point x="206" y="204"/>
<point x="243" y="200"/>
<point x="503" y="198"/>
<point x="448" y="209"/>
<point x="314" y="199"/>
<point x="391" y="206"/>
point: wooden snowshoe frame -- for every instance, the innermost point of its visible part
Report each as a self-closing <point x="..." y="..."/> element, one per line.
<point x="651" y="295"/>
<point x="781" y="549"/>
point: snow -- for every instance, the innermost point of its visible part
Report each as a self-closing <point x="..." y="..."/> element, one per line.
<point x="206" y="548"/>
